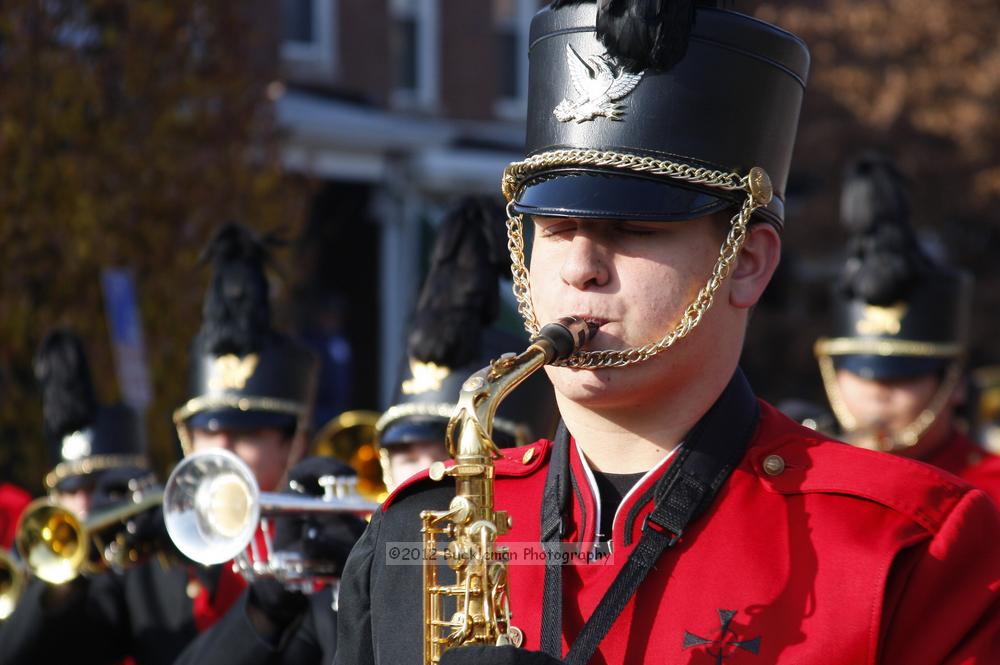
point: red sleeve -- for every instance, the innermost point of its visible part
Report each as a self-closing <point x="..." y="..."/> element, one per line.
<point x="13" y="501"/>
<point x="942" y="604"/>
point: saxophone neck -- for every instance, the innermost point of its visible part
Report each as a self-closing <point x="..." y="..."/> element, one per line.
<point x="470" y="430"/>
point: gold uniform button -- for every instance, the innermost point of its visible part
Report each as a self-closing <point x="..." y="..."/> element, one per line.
<point x="774" y="465"/>
<point x="528" y="455"/>
<point x="193" y="589"/>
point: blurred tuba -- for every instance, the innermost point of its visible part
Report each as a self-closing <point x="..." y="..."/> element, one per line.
<point x="56" y="546"/>
<point x="11" y="584"/>
<point x="215" y="512"/>
<point x="351" y="438"/>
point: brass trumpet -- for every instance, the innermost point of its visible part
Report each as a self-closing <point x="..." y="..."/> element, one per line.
<point x="56" y="545"/>
<point x="11" y="584"/>
<point x="214" y="510"/>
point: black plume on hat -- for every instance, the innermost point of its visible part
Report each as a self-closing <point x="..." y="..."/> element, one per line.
<point x="884" y="255"/>
<point x="460" y="295"/>
<point x="69" y="402"/>
<point x="644" y="33"/>
<point x="236" y="315"/>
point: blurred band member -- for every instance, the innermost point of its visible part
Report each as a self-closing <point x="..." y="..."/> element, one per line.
<point x="453" y="336"/>
<point x="250" y="390"/>
<point x="84" y="438"/>
<point x="277" y="622"/>
<point x="89" y="443"/>
<point x="893" y="368"/>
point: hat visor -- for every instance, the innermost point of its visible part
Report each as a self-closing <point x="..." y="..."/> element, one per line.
<point x="413" y="430"/>
<point x="890" y="368"/>
<point x="602" y="194"/>
<point x="237" y="420"/>
<point x="84" y="482"/>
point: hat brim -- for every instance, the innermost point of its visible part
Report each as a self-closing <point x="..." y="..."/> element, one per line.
<point x="413" y="430"/>
<point x="890" y="368"/>
<point x="602" y="194"/>
<point x="238" y="420"/>
<point x="84" y="482"/>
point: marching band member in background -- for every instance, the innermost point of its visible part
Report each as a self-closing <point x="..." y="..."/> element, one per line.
<point x="250" y="393"/>
<point x="84" y="439"/>
<point x="272" y="623"/>
<point x="893" y="368"/>
<point x="452" y="335"/>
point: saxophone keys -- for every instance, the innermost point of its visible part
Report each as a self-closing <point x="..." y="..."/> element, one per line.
<point x="513" y="637"/>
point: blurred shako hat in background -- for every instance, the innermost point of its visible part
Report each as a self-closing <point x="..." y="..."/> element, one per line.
<point x="243" y="374"/>
<point x="453" y="335"/>
<point x="897" y="312"/>
<point x="83" y="437"/>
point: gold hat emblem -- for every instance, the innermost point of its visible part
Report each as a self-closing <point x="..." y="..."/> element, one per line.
<point x="77" y="445"/>
<point x="230" y="372"/>
<point x="881" y="320"/>
<point x="426" y="377"/>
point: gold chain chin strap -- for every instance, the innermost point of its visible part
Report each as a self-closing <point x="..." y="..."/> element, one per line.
<point x="756" y="184"/>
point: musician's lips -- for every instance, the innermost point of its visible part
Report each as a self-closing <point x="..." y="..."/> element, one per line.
<point x="595" y="320"/>
<point x="595" y="323"/>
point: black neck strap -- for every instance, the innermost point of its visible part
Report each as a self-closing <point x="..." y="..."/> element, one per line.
<point x="709" y="454"/>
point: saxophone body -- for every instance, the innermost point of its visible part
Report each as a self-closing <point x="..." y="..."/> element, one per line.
<point x="475" y="609"/>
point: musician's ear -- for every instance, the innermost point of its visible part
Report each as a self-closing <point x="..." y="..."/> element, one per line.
<point x="755" y="265"/>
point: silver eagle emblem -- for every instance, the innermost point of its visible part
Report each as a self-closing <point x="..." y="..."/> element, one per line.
<point x="599" y="83"/>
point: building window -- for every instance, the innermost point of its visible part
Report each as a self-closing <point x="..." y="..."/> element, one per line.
<point x="308" y="33"/>
<point x="414" y="43"/>
<point x="512" y="22"/>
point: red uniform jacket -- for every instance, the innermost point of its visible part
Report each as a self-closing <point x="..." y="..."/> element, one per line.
<point x="833" y="555"/>
<point x="962" y="457"/>
<point x="13" y="501"/>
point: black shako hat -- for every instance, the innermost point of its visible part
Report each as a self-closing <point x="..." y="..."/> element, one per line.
<point x="897" y="313"/>
<point x="697" y="87"/>
<point x="243" y="374"/>
<point x="452" y="336"/>
<point x="84" y="438"/>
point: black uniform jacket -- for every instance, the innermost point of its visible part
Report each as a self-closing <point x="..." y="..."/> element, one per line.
<point x="145" y="613"/>
<point x="312" y="641"/>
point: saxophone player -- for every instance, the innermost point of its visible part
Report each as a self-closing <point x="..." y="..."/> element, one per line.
<point x="659" y="139"/>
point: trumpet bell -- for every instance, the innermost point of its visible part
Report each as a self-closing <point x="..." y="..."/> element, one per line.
<point x="351" y="437"/>
<point x="211" y="506"/>
<point x="52" y="542"/>
<point x="213" y="509"/>
<point x="11" y="584"/>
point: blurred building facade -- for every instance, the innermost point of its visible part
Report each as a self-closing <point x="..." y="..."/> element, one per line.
<point x="391" y="109"/>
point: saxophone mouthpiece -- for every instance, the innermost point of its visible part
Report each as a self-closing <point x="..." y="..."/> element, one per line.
<point x="566" y="336"/>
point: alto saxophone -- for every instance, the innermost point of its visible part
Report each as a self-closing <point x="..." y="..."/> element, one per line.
<point x="480" y="611"/>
